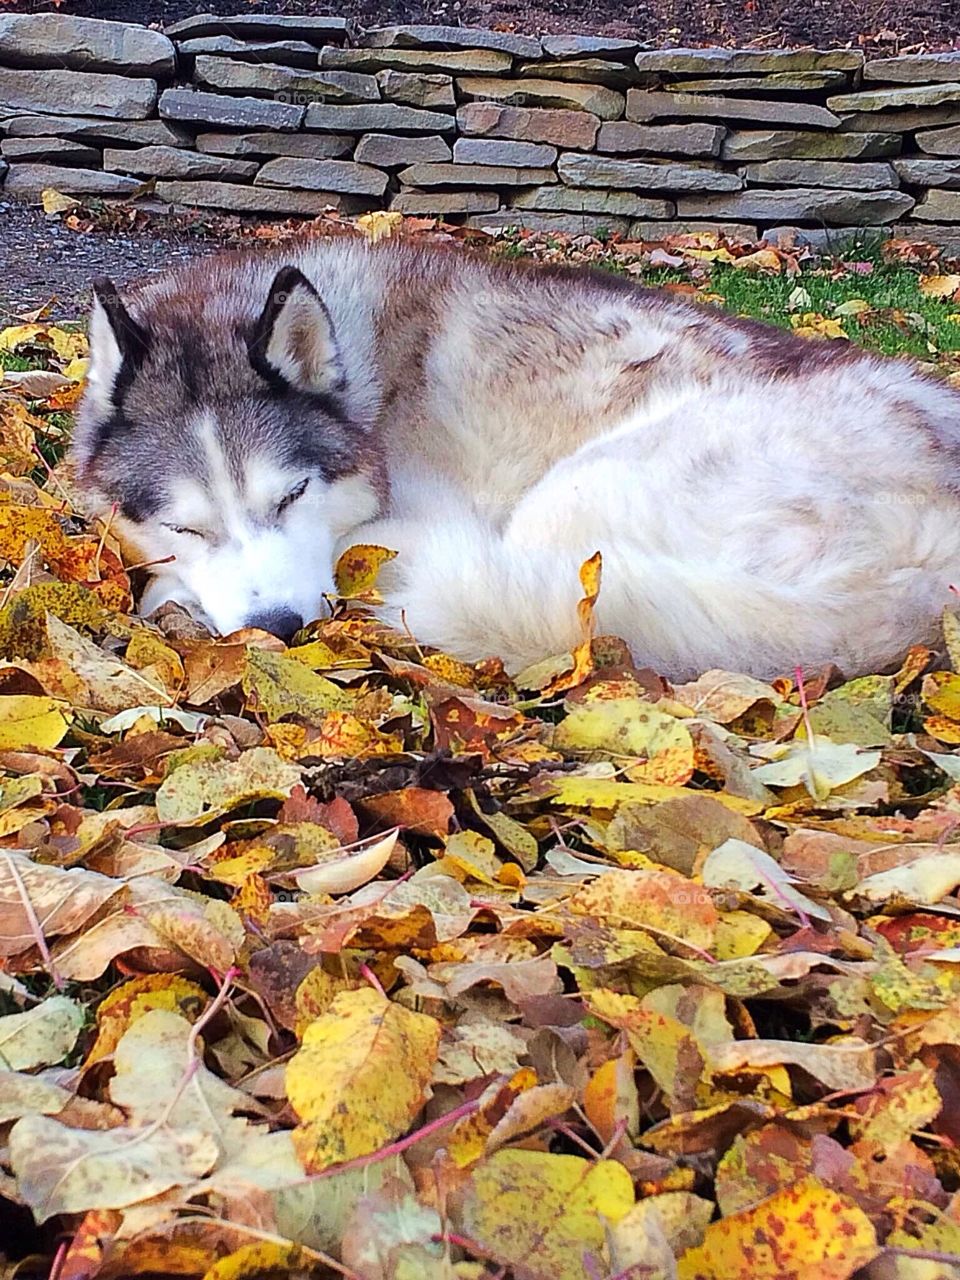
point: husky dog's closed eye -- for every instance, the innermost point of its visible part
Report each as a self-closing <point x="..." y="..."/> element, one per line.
<point x="760" y="501"/>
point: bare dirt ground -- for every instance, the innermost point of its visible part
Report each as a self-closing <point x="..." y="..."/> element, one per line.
<point x="883" y="25"/>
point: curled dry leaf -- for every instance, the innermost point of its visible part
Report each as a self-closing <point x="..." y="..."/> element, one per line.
<point x="347" y="869"/>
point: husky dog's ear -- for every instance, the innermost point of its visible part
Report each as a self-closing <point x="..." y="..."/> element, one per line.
<point x="293" y="342"/>
<point x="118" y="343"/>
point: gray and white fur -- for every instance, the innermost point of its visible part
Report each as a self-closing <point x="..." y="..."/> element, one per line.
<point x="760" y="501"/>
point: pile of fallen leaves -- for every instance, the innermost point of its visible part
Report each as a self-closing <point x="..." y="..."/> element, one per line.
<point x="350" y="959"/>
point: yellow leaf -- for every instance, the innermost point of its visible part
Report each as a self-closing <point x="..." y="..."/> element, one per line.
<point x="544" y="1213"/>
<point x="360" y="1077"/>
<point x="28" y="721"/>
<point x="662" y="901"/>
<point x="120" y="1009"/>
<point x="55" y="201"/>
<point x="380" y="224"/>
<point x="77" y="369"/>
<point x="939" y="286"/>
<point x="941" y="692"/>
<point x="66" y="345"/>
<point x="605" y="793"/>
<point x="17" y="438"/>
<point x="357" y="570"/>
<point x="762" y="260"/>
<point x="813" y="325"/>
<point x="739" y="934"/>
<point x="802" y="1232"/>
<point x="627" y="728"/>
<point x="610" y="1098"/>
<point x="257" y="1261"/>
<point x="852" y="307"/>
<point x="280" y="686"/>
<point x="204" y="789"/>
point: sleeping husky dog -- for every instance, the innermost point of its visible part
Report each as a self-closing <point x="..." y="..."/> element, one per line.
<point x="760" y="501"/>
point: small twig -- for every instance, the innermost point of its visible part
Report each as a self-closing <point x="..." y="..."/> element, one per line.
<point x="56" y="1267"/>
<point x="401" y="1145"/>
<point x="105" y="529"/>
<point x="33" y="920"/>
<point x="193" y="1061"/>
<point x="925" y="1255"/>
<point x="369" y="976"/>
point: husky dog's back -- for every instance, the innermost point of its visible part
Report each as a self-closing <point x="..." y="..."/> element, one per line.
<point x="760" y="501"/>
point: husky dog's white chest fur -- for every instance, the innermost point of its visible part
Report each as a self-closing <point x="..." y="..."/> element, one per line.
<point x="758" y="502"/>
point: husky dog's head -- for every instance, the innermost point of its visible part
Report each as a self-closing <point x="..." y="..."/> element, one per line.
<point x="216" y="433"/>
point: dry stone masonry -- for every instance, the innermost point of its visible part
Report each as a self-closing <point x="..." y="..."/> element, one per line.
<point x="286" y="115"/>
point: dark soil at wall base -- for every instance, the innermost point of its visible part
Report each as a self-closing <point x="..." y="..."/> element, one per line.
<point x="887" y="25"/>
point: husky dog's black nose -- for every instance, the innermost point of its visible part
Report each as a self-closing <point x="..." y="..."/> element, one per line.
<point x="282" y="623"/>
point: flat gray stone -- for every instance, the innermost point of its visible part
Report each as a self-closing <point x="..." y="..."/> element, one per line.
<point x="28" y="181"/>
<point x="146" y="133"/>
<point x="802" y="204"/>
<point x="940" y="142"/>
<point x="653" y="104"/>
<point x="429" y="204"/>
<point x="907" y="121"/>
<point x="50" y="151"/>
<point x="473" y="175"/>
<point x="792" y="144"/>
<point x="388" y="152"/>
<point x="588" y="47"/>
<point x="617" y="75"/>
<point x="622" y="136"/>
<point x="600" y="171"/>
<point x="565" y="199"/>
<point x="173" y="162"/>
<point x="319" y="30"/>
<point x="311" y="146"/>
<point x="426" y="37"/>
<point x="917" y="172"/>
<point x="777" y="82"/>
<point x="482" y="62"/>
<point x="232" y="113"/>
<point x="654" y="231"/>
<point x="238" y="199"/>
<point x="323" y="175"/>
<point x="568" y="224"/>
<point x="284" y="84"/>
<point x="416" y="90"/>
<point x="865" y="176"/>
<point x="830" y="239"/>
<point x="84" y="44"/>
<point x="931" y="95"/>
<point x="378" y="117"/>
<point x="289" y="53"/>
<point x="915" y="68"/>
<point x="733" y="62"/>
<point x="948" y="238"/>
<point x="576" y="130"/>
<point x="88" y="93"/>
<point x="935" y="206"/>
<point x="501" y="151"/>
<point x="598" y="100"/>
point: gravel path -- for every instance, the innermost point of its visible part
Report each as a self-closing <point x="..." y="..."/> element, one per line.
<point x="42" y="258"/>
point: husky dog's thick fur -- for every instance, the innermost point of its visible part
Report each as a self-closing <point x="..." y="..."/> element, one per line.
<point x="760" y="501"/>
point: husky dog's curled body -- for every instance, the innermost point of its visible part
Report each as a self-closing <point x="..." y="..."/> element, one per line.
<point x="760" y="501"/>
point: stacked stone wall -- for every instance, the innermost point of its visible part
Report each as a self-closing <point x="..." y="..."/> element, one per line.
<point x="276" y="115"/>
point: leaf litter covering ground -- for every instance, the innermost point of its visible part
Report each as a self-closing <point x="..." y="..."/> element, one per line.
<point x="349" y="959"/>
